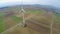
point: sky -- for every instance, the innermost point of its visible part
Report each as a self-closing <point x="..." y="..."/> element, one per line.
<point x="42" y="2"/>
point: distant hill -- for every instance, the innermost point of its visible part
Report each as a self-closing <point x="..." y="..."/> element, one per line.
<point x="44" y="7"/>
<point x="33" y="6"/>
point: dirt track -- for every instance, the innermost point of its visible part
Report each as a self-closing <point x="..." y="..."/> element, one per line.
<point x="21" y="30"/>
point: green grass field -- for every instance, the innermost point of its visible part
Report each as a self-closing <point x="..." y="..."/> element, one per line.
<point x="1" y="22"/>
<point x="16" y="19"/>
<point x="56" y="18"/>
<point x="34" y="11"/>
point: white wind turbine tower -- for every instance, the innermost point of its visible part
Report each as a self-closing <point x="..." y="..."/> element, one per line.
<point x="23" y="24"/>
<point x="23" y="16"/>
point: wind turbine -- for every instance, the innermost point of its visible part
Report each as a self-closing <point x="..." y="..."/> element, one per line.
<point x="23" y="16"/>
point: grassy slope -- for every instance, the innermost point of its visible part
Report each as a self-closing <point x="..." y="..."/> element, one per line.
<point x="56" y="18"/>
<point x="1" y="21"/>
<point x="16" y="19"/>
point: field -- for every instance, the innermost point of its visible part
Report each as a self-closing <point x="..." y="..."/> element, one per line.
<point x="4" y="21"/>
<point x="1" y="21"/>
<point x="38" y="21"/>
<point x="12" y="18"/>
